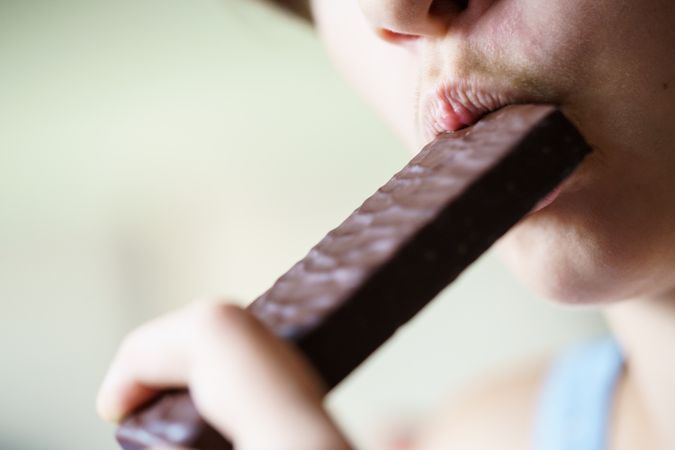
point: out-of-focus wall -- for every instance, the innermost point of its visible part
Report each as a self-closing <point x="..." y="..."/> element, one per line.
<point x="156" y="151"/>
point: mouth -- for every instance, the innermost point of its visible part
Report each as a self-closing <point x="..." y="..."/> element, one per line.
<point x="454" y="105"/>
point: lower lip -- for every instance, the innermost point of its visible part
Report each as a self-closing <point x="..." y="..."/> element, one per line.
<point x="546" y="201"/>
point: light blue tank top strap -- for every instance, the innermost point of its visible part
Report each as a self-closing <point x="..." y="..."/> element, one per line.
<point x="575" y="405"/>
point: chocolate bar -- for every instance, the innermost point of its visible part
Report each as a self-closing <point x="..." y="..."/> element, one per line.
<point x="395" y="253"/>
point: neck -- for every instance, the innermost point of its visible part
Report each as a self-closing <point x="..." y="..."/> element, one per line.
<point x="645" y="328"/>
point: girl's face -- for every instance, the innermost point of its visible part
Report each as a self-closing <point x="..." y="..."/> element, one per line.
<point x="433" y="66"/>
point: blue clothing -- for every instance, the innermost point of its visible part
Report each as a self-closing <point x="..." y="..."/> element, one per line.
<point x="575" y="406"/>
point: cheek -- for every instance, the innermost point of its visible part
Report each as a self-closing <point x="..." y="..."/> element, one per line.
<point x="383" y="74"/>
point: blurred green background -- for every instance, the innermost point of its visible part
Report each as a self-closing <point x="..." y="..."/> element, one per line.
<point x="153" y="152"/>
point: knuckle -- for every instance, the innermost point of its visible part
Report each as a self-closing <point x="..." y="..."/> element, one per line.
<point x="209" y="316"/>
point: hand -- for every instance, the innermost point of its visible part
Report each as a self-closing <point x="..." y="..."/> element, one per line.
<point x="252" y="387"/>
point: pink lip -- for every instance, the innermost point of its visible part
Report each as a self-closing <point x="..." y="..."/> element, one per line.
<point x="457" y="104"/>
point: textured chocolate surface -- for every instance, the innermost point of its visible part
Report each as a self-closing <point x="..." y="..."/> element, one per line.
<point x="172" y="418"/>
<point x="397" y="251"/>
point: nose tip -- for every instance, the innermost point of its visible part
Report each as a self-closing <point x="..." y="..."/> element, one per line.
<point x="404" y="20"/>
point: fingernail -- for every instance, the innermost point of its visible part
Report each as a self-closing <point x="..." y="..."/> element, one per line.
<point x="106" y="409"/>
<point x="107" y="413"/>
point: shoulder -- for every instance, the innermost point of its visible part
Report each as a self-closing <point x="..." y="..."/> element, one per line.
<point x="496" y="412"/>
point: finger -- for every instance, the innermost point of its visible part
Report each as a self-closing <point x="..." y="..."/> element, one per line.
<point x="150" y="358"/>
<point x="269" y="387"/>
<point x="242" y="378"/>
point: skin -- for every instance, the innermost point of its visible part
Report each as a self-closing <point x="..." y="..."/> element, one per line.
<point x="248" y="384"/>
<point x="608" y="239"/>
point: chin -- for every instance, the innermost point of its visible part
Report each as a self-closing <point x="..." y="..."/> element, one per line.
<point x="567" y="264"/>
<point x="549" y="277"/>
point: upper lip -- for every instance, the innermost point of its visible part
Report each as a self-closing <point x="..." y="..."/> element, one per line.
<point x="455" y="104"/>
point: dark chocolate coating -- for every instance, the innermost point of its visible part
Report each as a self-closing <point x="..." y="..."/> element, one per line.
<point x="172" y="418"/>
<point x="396" y="252"/>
